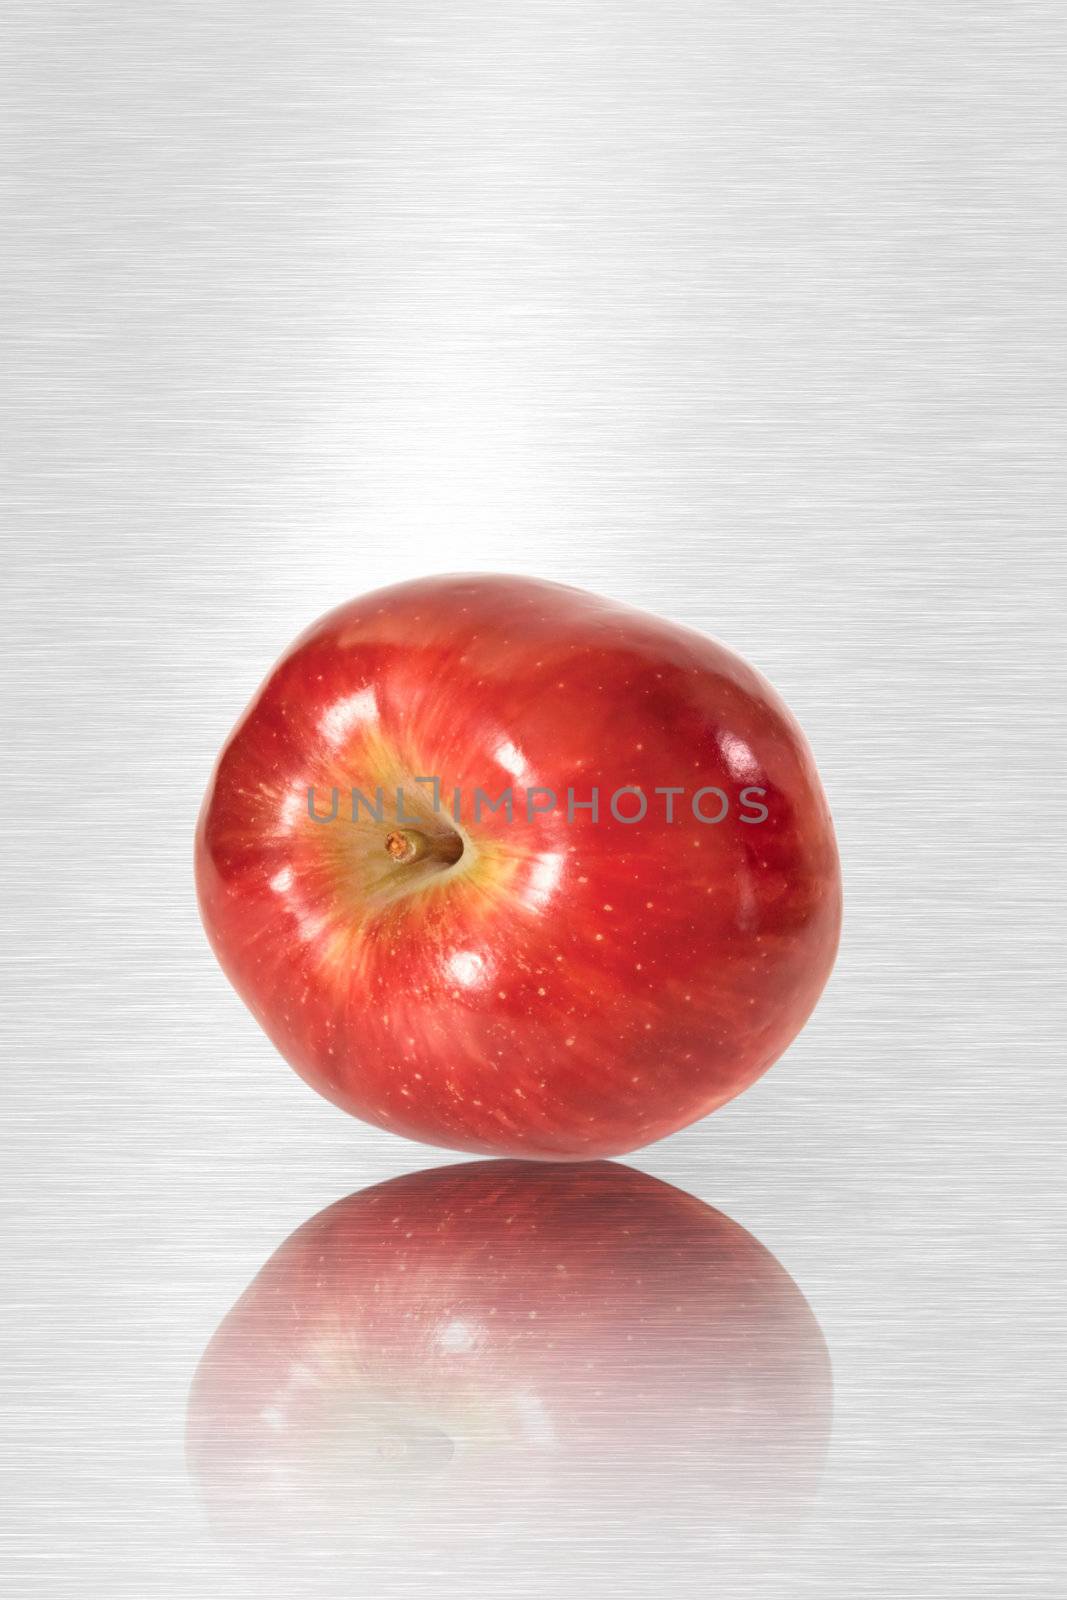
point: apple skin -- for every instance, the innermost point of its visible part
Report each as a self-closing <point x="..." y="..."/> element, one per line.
<point x="568" y="988"/>
<point x="554" y="1360"/>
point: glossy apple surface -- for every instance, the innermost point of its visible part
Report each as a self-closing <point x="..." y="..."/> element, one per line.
<point x="555" y="986"/>
<point x="544" y="1361"/>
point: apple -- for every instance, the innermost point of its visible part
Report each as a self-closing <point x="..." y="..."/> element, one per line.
<point x="503" y="866"/>
<point x="540" y="1364"/>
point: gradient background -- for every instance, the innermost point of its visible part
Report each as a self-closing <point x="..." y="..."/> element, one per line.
<point x="750" y="314"/>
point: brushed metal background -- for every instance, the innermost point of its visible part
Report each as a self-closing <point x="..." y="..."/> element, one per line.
<point x="750" y="314"/>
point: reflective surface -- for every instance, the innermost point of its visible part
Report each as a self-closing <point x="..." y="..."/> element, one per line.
<point x="748" y="315"/>
<point x="512" y="1369"/>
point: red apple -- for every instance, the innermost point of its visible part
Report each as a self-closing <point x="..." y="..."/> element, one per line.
<point x="556" y="984"/>
<point x="543" y="1364"/>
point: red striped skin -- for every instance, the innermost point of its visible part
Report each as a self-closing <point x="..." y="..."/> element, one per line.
<point x="568" y="989"/>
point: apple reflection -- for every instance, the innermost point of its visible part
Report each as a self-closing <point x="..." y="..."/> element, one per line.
<point x="506" y="1361"/>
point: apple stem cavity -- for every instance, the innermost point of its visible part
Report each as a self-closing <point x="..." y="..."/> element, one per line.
<point x="407" y="845"/>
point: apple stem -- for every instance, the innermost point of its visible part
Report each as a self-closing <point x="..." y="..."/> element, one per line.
<point x="406" y="845"/>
